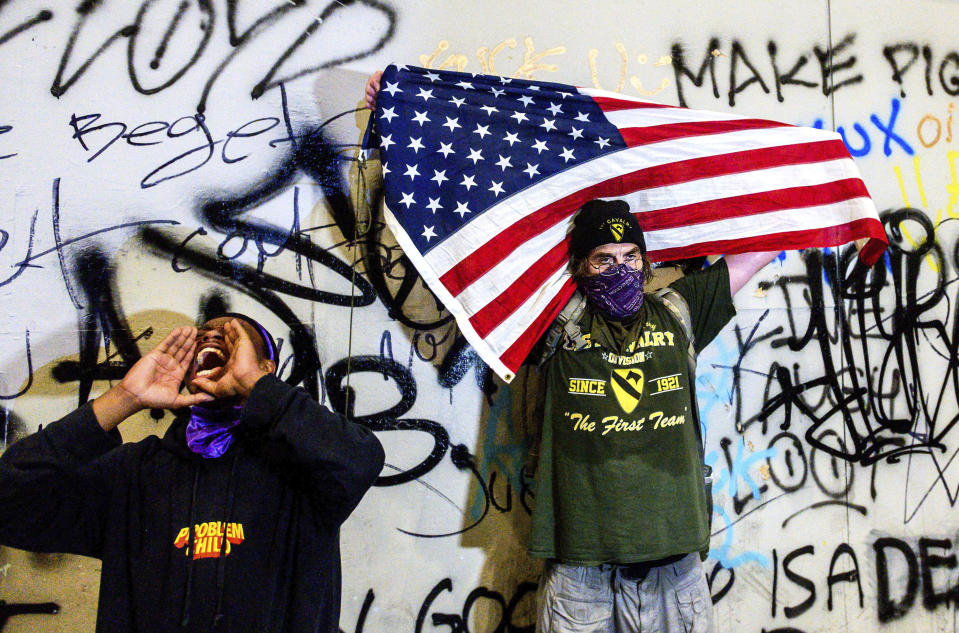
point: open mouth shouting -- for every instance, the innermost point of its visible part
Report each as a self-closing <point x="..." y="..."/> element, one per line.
<point x="210" y="360"/>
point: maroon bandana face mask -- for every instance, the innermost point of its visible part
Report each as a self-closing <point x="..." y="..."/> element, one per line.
<point x="618" y="291"/>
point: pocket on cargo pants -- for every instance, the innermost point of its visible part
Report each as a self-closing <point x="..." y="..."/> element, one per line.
<point x="575" y="599"/>
<point x="693" y="600"/>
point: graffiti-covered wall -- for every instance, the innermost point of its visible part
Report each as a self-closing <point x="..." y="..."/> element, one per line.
<point x="164" y="159"/>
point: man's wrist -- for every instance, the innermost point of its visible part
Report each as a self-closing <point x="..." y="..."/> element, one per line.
<point x="115" y="406"/>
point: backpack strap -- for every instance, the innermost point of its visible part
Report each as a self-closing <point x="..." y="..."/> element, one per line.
<point x="676" y="304"/>
<point x="565" y="329"/>
<point x="680" y="309"/>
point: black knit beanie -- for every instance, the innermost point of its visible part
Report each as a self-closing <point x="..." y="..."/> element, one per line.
<point x="601" y="222"/>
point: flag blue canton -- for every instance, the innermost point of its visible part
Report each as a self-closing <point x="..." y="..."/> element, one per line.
<point x="455" y="144"/>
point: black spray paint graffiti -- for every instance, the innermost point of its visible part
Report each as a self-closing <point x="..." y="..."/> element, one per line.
<point x="11" y="426"/>
<point x="835" y="65"/>
<point x="789" y="468"/>
<point x="28" y="361"/>
<point x="924" y="566"/>
<point x="320" y="159"/>
<point x="153" y="133"/>
<point x="385" y="265"/>
<point x="843" y="568"/>
<point x="11" y="609"/>
<point x="459" y="622"/>
<point x="834" y="68"/>
<point x="884" y="400"/>
<point x="102" y="320"/>
<point x="189" y="129"/>
<point x="6" y="129"/>
<point x="903" y="56"/>
<point x="895" y="599"/>
<point x="192" y="24"/>
<point x="44" y="15"/>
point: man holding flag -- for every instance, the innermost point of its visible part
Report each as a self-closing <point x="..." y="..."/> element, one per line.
<point x="609" y="184"/>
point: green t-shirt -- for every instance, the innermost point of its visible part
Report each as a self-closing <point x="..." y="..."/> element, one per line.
<point x="619" y="477"/>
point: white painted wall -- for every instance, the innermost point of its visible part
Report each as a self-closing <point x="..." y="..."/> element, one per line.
<point x="785" y="508"/>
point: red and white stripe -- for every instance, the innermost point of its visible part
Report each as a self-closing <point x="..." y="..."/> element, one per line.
<point x="700" y="183"/>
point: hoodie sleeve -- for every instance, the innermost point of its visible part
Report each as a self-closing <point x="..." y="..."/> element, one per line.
<point x="55" y="486"/>
<point x="341" y="459"/>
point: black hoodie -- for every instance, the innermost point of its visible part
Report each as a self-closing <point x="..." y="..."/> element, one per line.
<point x="278" y="496"/>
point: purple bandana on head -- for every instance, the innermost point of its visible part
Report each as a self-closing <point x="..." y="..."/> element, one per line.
<point x="209" y="432"/>
<point x="617" y="292"/>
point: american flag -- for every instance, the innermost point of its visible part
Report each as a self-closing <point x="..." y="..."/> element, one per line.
<point x="483" y="174"/>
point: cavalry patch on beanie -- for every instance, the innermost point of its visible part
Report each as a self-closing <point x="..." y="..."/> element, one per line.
<point x="601" y="222"/>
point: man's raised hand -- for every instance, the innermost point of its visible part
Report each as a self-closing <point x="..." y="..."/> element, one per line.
<point x="372" y="87"/>
<point x="153" y="382"/>
<point x="243" y="368"/>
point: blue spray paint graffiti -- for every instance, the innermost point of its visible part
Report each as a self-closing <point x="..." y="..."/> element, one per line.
<point x="715" y="388"/>
<point x="887" y="129"/>
<point x="506" y="456"/>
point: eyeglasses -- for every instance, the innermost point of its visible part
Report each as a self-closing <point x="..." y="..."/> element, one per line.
<point x="606" y="264"/>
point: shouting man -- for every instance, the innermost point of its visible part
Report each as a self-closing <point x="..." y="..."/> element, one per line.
<point x="230" y="522"/>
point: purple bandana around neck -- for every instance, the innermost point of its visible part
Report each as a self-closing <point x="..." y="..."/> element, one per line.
<point x="619" y="294"/>
<point x="209" y="433"/>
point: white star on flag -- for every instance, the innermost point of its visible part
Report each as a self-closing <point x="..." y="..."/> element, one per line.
<point x="439" y="177"/>
<point x="388" y="114"/>
<point x="408" y="199"/>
